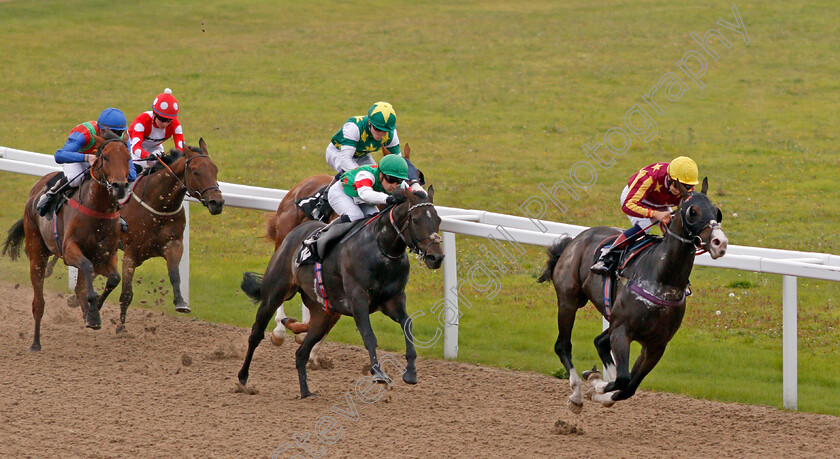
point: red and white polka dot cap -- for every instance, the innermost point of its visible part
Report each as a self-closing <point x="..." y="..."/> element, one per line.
<point x="165" y="104"/>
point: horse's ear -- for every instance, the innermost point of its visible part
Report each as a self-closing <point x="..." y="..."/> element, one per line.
<point x="431" y="193"/>
<point x="97" y="141"/>
<point x="202" y="145"/>
<point x="684" y="194"/>
<point x="125" y="137"/>
<point x="705" y="187"/>
<point x="407" y="152"/>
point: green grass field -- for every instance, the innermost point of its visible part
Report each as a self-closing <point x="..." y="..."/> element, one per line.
<point x="495" y="99"/>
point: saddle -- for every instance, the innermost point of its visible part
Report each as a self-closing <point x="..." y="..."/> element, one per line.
<point x="632" y="249"/>
<point x="318" y="245"/>
<point x="316" y="207"/>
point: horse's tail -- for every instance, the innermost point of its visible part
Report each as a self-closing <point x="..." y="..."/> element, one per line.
<point x="251" y="283"/>
<point x="554" y="253"/>
<point x="13" y="242"/>
<point x="270" y="226"/>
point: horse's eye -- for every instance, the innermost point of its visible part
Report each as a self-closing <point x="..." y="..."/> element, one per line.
<point x="415" y="220"/>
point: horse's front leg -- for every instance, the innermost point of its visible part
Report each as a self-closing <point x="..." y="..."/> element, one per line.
<point x="172" y="252"/>
<point x="113" y="275"/>
<point x="127" y="292"/>
<point x="602" y="345"/>
<point x="395" y="309"/>
<point x="648" y="358"/>
<point x="360" y="305"/>
<point x="603" y="392"/>
<point x="85" y="294"/>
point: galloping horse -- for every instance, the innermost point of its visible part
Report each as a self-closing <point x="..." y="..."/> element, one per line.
<point x="288" y="216"/>
<point x="648" y="309"/>
<point x="85" y="233"/>
<point x="366" y="273"/>
<point x="155" y="216"/>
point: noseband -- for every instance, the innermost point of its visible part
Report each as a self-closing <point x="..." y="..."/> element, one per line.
<point x="414" y="246"/>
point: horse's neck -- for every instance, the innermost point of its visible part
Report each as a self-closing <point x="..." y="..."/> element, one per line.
<point x="387" y="237"/>
<point x="677" y="259"/>
<point x="95" y="196"/>
<point x="164" y="188"/>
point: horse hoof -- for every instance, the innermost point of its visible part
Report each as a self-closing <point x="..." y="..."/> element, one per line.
<point x="410" y="378"/>
<point x="588" y="395"/>
<point x="575" y="407"/>
<point x="309" y="395"/>
<point x="35" y="348"/>
<point x="94" y="325"/>
<point x="72" y="302"/>
<point x="381" y="378"/>
<point x="299" y="338"/>
<point x="120" y="329"/>
<point x="183" y="308"/>
<point x="277" y="340"/>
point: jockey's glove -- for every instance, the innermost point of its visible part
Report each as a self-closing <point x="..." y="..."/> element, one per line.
<point x="395" y="199"/>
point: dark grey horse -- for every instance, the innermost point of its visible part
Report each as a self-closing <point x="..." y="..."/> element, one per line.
<point x="648" y="308"/>
<point x="365" y="274"/>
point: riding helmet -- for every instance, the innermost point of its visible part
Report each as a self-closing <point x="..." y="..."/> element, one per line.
<point x="165" y="105"/>
<point x="395" y="166"/>
<point x="112" y="119"/>
<point x="382" y="116"/>
<point x="684" y="170"/>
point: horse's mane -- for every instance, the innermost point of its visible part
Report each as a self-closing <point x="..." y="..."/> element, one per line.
<point x="169" y="158"/>
<point x="108" y="134"/>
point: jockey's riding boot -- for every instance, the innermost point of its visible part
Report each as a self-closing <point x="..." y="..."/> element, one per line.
<point x="607" y="261"/>
<point x="609" y="255"/>
<point x="44" y="202"/>
<point x="123" y="225"/>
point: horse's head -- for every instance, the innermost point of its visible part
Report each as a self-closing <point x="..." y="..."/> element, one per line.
<point x="112" y="162"/>
<point x="700" y="221"/>
<point x="420" y="230"/>
<point x="200" y="177"/>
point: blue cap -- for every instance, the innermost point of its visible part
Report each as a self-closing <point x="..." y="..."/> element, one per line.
<point x="112" y="119"/>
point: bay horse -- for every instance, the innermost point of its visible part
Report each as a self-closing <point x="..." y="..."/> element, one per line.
<point x="362" y="275"/>
<point x="648" y="309"/>
<point x="156" y="219"/>
<point x="85" y="232"/>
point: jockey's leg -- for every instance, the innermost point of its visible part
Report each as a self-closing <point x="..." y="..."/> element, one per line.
<point x="609" y="256"/>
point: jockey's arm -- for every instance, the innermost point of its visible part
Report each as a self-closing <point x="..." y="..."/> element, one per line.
<point x="69" y="153"/>
<point x="632" y="204"/>
<point x="364" y="187"/>
<point x="345" y="158"/>
<point x="178" y="135"/>
<point x="136" y="140"/>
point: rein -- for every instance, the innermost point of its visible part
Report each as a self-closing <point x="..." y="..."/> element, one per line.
<point x="197" y="195"/>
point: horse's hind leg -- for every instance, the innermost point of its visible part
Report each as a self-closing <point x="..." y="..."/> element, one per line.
<point x="127" y="292"/>
<point x="38" y="253"/>
<point x="566" y="312"/>
<point x="50" y="266"/>
<point x="602" y="344"/>
<point x="268" y="305"/>
<point x="319" y="325"/>
<point x="172" y="252"/>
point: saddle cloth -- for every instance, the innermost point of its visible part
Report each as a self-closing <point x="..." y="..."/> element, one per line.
<point x="316" y="207"/>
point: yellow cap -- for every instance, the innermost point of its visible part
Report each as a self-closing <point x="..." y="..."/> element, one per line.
<point x="684" y="170"/>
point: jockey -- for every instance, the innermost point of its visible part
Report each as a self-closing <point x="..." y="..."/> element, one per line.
<point x="360" y="190"/>
<point x="356" y="196"/>
<point x="78" y="154"/>
<point x="360" y="136"/>
<point x="150" y="129"/>
<point x="648" y="197"/>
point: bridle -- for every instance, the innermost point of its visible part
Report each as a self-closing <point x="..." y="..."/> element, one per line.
<point x="693" y="238"/>
<point x="99" y="163"/>
<point x="197" y="195"/>
<point x="414" y="245"/>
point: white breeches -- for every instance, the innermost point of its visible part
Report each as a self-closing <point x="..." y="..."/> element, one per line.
<point x="74" y="172"/>
<point x="642" y="222"/>
<point x="345" y="205"/>
<point x="336" y="157"/>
